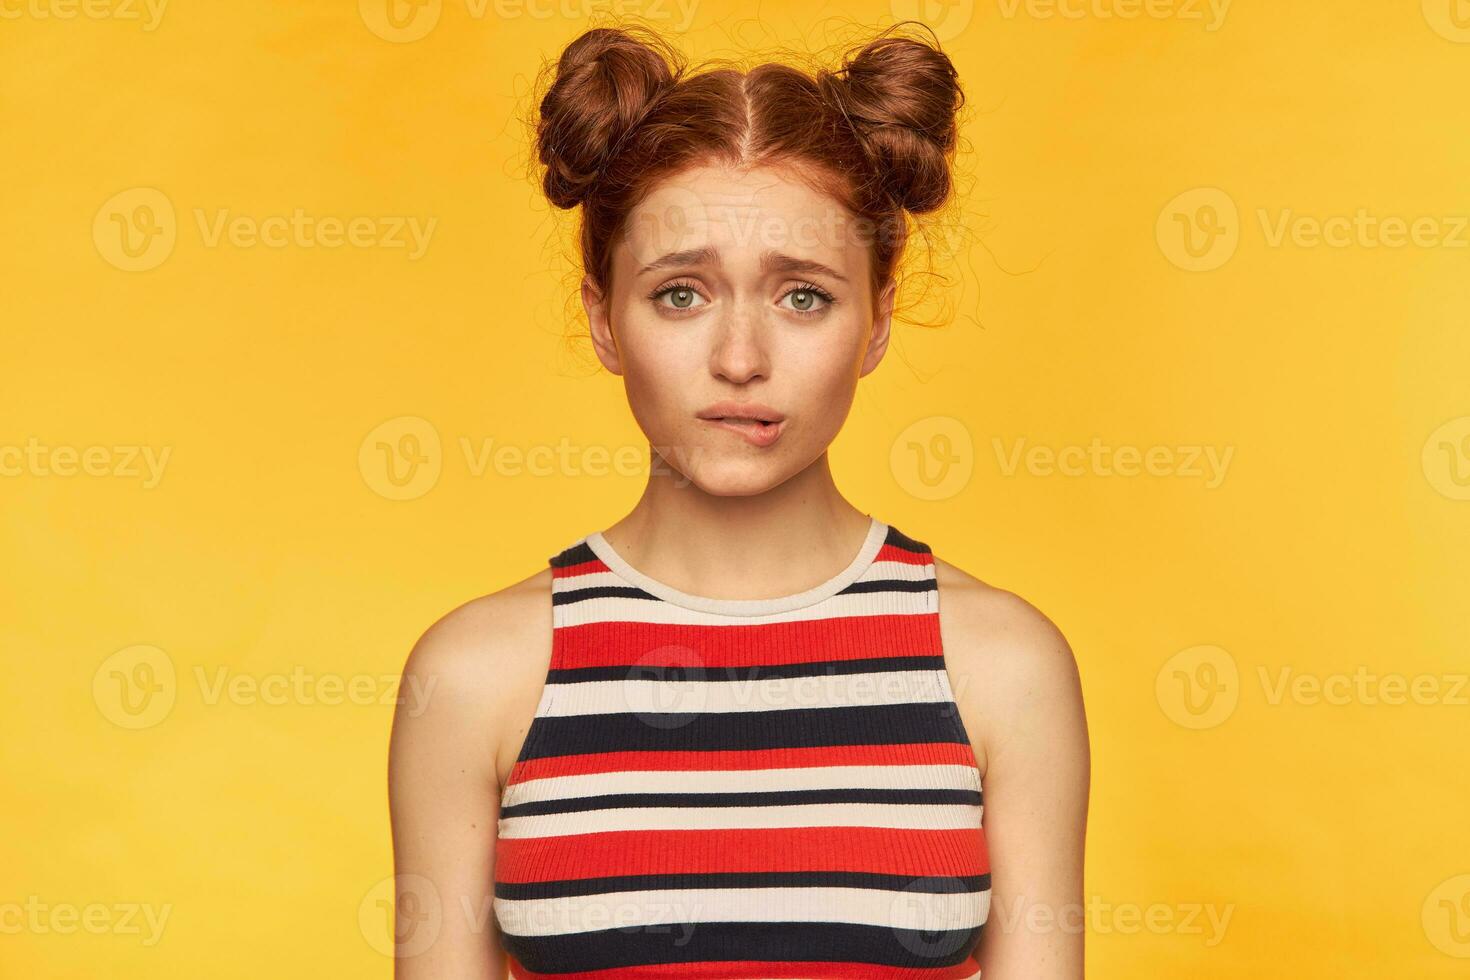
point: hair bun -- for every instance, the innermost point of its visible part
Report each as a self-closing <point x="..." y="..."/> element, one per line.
<point x="901" y="96"/>
<point x="606" y="82"/>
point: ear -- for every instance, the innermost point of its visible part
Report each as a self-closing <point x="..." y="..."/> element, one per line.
<point x="882" y="327"/>
<point x="595" y="302"/>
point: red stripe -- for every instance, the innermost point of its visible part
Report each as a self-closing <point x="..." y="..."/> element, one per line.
<point x="902" y="754"/>
<point x="892" y="552"/>
<point x="624" y="644"/>
<point x="762" y="970"/>
<point x="881" y="850"/>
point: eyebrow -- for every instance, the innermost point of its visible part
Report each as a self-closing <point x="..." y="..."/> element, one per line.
<point x="771" y="261"/>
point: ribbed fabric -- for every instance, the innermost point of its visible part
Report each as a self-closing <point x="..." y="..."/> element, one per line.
<point x="751" y="788"/>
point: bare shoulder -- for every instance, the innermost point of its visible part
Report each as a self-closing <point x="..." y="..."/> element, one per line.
<point x="1009" y="663"/>
<point x="472" y="671"/>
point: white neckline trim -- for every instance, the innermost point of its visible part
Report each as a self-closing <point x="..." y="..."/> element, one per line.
<point x="877" y="533"/>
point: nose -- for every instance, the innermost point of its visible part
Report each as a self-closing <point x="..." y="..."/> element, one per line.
<point x="739" y="353"/>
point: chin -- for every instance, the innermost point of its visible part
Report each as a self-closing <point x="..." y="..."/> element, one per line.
<point x="727" y="477"/>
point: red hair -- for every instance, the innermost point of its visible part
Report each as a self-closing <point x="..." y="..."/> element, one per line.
<point x="623" y="111"/>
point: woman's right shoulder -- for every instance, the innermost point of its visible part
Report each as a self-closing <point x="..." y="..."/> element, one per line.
<point x="481" y="653"/>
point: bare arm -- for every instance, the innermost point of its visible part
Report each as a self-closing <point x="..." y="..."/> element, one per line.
<point x="444" y="799"/>
<point x="1020" y="696"/>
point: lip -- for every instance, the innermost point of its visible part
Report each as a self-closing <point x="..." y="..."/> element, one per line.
<point x="725" y="415"/>
<point x="753" y="432"/>
<point x="741" y="410"/>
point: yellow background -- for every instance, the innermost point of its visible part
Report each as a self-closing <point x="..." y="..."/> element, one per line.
<point x="270" y="547"/>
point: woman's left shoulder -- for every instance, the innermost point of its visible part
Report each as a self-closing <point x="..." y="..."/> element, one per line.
<point x="990" y="620"/>
<point x="1009" y="664"/>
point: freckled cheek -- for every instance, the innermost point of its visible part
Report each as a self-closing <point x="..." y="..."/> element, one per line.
<point x="822" y="396"/>
<point x="657" y="382"/>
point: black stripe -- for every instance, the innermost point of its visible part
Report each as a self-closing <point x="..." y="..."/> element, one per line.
<point x="892" y="585"/>
<point x="704" y="942"/>
<point x="571" y="887"/>
<point x="563" y="597"/>
<point x="786" y="797"/>
<point x="898" y="539"/>
<point x="821" y="668"/>
<point x="866" y="724"/>
<point x="575" y="555"/>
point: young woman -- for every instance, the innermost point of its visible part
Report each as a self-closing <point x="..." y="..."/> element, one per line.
<point x="742" y="732"/>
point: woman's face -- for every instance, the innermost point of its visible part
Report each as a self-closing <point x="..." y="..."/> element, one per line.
<point x="739" y="290"/>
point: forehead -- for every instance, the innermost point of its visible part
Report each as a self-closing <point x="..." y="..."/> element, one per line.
<point x="741" y="214"/>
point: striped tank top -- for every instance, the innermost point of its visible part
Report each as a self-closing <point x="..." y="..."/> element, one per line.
<point x="752" y="788"/>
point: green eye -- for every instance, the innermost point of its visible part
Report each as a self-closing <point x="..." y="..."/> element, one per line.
<point x="683" y="297"/>
<point x="808" y="299"/>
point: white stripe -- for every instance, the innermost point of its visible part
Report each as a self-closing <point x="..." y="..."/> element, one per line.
<point x="877" y="571"/>
<point x="616" y="609"/>
<point x="651" y="695"/>
<point x="902" y="816"/>
<point x="925" y="776"/>
<point x="857" y="906"/>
